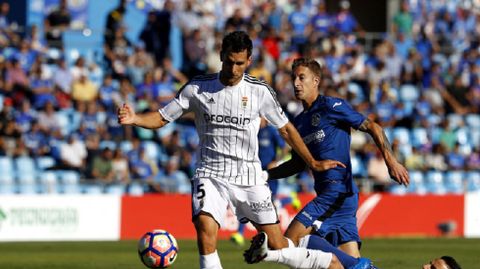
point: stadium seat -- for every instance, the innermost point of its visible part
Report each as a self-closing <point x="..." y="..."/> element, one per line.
<point x="419" y="136"/>
<point x="6" y="164"/>
<point x="402" y="135"/>
<point x="25" y="165"/>
<point x="434" y="182"/>
<point x="108" y="144"/>
<point x="7" y="182"/>
<point x="135" y="189"/>
<point x="454" y="120"/>
<point x="417" y="184"/>
<point x="115" y="189"/>
<point x="126" y="146"/>
<point x="398" y="189"/>
<point x="475" y="138"/>
<point x="151" y="149"/>
<point x="463" y="135"/>
<point x="26" y="184"/>
<point x="92" y="189"/>
<point x="44" y="162"/>
<point x="454" y="182"/>
<point x="434" y="120"/>
<point x="48" y="182"/>
<point x="357" y="91"/>
<point x="473" y="181"/>
<point x="358" y="168"/>
<point x="64" y="121"/>
<point x="409" y="93"/>
<point x="473" y="120"/>
<point x="69" y="182"/>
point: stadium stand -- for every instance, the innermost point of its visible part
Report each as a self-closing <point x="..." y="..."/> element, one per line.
<point x="423" y="87"/>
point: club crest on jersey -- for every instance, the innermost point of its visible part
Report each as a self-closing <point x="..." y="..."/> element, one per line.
<point x="244" y="102"/>
<point x="316" y="119"/>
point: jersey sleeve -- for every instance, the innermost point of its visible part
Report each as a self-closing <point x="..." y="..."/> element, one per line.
<point x="178" y="105"/>
<point x="342" y="111"/>
<point x="272" y="111"/>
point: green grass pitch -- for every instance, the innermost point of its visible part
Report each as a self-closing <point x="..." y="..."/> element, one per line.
<point x="386" y="253"/>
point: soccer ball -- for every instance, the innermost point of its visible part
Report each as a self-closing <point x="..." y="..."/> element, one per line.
<point x="157" y="249"/>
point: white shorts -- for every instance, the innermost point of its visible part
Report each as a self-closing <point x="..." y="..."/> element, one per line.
<point x="248" y="203"/>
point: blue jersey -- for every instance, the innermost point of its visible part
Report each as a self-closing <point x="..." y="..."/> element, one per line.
<point x="269" y="140"/>
<point x="325" y="129"/>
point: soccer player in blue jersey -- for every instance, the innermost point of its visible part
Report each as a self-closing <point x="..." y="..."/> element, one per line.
<point x="325" y="126"/>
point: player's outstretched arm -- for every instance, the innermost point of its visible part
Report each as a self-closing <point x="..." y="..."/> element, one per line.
<point x="151" y="120"/>
<point x="395" y="169"/>
<point x="293" y="138"/>
<point x="289" y="168"/>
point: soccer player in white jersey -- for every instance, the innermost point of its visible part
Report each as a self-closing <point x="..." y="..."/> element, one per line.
<point x="227" y="107"/>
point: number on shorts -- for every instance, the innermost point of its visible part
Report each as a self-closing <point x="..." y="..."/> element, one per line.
<point x="200" y="191"/>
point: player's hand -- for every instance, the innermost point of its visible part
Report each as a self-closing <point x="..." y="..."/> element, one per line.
<point x="324" y="165"/>
<point x="126" y="115"/>
<point x="399" y="173"/>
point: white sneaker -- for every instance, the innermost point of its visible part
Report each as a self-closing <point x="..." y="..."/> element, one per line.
<point x="258" y="249"/>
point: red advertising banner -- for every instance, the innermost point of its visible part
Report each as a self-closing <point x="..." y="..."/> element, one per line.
<point x="145" y="213"/>
<point x="411" y="215"/>
<point x="378" y="215"/>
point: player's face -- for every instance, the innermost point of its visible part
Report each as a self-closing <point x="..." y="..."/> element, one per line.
<point x="234" y="65"/>
<point x="305" y="84"/>
<point x="436" y="264"/>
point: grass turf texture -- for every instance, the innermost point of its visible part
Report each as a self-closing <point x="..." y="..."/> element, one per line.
<point x="386" y="253"/>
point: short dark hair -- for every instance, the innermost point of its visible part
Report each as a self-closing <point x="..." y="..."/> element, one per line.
<point x="451" y="262"/>
<point x="311" y="64"/>
<point x="237" y="41"/>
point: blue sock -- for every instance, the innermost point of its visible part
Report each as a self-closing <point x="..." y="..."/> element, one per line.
<point x="241" y="228"/>
<point x="317" y="242"/>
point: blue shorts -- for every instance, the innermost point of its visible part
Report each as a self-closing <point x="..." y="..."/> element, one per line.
<point x="333" y="216"/>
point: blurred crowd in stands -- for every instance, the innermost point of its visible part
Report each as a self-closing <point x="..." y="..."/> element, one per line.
<point x="420" y="80"/>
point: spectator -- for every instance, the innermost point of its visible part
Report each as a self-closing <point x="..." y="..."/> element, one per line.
<point x="63" y="77"/>
<point x="57" y="22"/>
<point x="236" y="22"/>
<point x="120" y="167"/>
<point x="455" y="159"/>
<point x="299" y="24"/>
<point x="47" y="118"/>
<point x="378" y="172"/>
<point x="17" y="84"/>
<point x="436" y="159"/>
<point x="146" y="171"/>
<point x="102" y="168"/>
<point x="345" y="21"/>
<point x="84" y="90"/>
<point x="73" y="154"/>
<point x="195" y="54"/>
<point x="403" y="20"/>
<point x="171" y="178"/>
<point x="322" y="21"/>
<point x="114" y="22"/>
<point x="79" y="69"/>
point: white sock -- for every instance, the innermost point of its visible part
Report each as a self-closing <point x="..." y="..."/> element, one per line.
<point x="290" y="242"/>
<point x="300" y="258"/>
<point x="210" y="261"/>
<point x="303" y="243"/>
